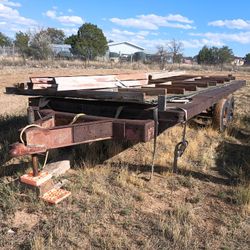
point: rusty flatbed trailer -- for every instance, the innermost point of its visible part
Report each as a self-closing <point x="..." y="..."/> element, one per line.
<point x="137" y="112"/>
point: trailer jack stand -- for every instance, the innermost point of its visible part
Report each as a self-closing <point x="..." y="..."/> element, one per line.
<point x="35" y="165"/>
<point x="42" y="183"/>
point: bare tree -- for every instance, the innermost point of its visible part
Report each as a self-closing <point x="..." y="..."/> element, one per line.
<point x="163" y="56"/>
<point x="40" y="45"/>
<point x="176" y="50"/>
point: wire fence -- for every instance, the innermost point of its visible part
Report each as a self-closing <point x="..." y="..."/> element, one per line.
<point x="7" y="51"/>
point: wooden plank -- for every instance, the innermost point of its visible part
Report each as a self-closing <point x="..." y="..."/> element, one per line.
<point x="132" y="76"/>
<point x="147" y="91"/>
<point x="87" y="94"/>
<point x="91" y="82"/>
<point x="174" y="78"/>
<point x="75" y="83"/>
<point x="163" y="83"/>
<point x="43" y="86"/>
<point x="157" y="75"/>
<point x="42" y="80"/>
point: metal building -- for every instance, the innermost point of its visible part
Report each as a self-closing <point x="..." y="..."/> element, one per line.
<point x="124" y="48"/>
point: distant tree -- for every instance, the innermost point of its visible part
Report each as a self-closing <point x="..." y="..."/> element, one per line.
<point x="71" y="40"/>
<point x="4" y="40"/>
<point x="247" y="59"/>
<point x="205" y="56"/>
<point x="214" y="60"/>
<point x="89" y="42"/>
<point x="56" y="36"/>
<point x="215" y="56"/>
<point x="225" y="55"/>
<point x="163" y="56"/>
<point x="40" y="45"/>
<point x="176" y="50"/>
<point x="22" y="43"/>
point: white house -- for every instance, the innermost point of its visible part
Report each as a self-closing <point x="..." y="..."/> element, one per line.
<point x="238" y="61"/>
<point x="124" y="48"/>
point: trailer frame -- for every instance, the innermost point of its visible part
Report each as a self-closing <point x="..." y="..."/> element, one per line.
<point x="138" y="114"/>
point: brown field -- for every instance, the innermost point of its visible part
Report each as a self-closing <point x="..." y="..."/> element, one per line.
<point x="205" y="206"/>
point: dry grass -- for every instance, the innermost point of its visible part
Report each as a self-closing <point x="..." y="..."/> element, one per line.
<point x="205" y="206"/>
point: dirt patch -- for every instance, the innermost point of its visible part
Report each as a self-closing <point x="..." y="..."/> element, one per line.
<point x="25" y="220"/>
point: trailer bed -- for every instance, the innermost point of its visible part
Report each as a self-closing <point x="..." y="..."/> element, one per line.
<point x="137" y="112"/>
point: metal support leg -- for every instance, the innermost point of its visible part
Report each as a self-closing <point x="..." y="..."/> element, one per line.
<point x="31" y="115"/>
<point x="35" y="165"/>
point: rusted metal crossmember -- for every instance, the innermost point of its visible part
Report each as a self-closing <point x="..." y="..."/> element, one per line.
<point x="86" y="129"/>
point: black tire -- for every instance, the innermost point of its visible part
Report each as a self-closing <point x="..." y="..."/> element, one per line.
<point x="230" y="108"/>
<point x="220" y="115"/>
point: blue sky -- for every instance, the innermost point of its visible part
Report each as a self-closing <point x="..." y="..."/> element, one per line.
<point x="147" y="23"/>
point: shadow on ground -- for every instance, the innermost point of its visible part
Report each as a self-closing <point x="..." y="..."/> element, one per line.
<point x="9" y="134"/>
<point x="233" y="158"/>
<point x="233" y="161"/>
<point x="163" y="169"/>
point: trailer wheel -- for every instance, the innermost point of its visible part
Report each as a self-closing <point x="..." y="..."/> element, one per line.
<point x="221" y="115"/>
<point x="230" y="108"/>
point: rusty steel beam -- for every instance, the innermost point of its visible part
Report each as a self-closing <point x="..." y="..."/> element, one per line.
<point x="188" y="87"/>
<point x="206" y="99"/>
<point x="198" y="84"/>
<point x="169" y="88"/>
<point x="63" y="136"/>
<point x="211" y="82"/>
<point x="148" y="91"/>
<point x="39" y="140"/>
<point x="86" y="129"/>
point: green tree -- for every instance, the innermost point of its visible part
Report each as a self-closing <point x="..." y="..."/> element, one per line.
<point x="22" y="43"/>
<point x="56" y="36"/>
<point x="205" y="56"/>
<point x="89" y="42"/>
<point x="71" y="40"/>
<point x="214" y="53"/>
<point x="4" y="40"/>
<point x="215" y="56"/>
<point x="247" y="59"/>
<point x="225" y="55"/>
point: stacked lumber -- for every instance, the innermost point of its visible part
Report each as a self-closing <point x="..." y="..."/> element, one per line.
<point x="136" y="87"/>
<point x="98" y="82"/>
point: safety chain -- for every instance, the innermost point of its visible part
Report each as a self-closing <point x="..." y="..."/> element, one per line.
<point x="181" y="146"/>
